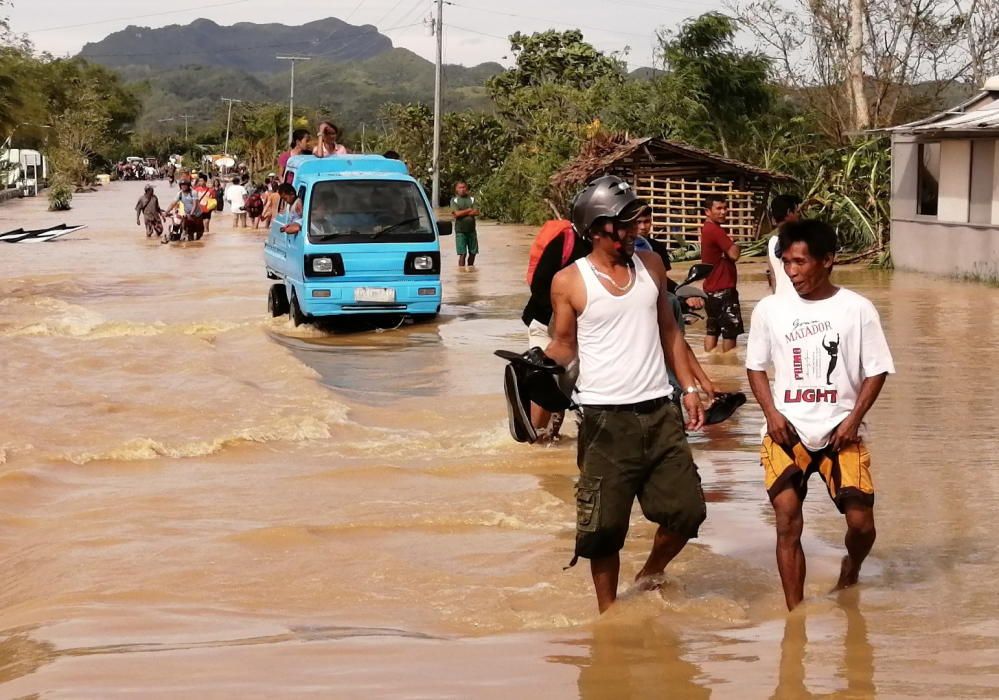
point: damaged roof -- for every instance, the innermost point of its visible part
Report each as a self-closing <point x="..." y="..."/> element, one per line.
<point x="611" y="154"/>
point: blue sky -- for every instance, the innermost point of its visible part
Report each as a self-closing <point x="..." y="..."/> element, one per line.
<point x="475" y="30"/>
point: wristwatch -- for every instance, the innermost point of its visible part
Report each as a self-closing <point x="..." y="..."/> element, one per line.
<point x="690" y="390"/>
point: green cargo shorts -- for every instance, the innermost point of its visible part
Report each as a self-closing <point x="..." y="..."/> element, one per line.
<point x="467" y="243"/>
<point x="625" y="454"/>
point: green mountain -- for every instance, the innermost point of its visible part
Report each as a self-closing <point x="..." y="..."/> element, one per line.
<point x="350" y="80"/>
<point x="244" y="46"/>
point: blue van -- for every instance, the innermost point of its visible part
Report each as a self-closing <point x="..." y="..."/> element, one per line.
<point x="369" y="242"/>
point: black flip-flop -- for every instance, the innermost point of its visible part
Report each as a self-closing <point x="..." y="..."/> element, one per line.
<point x="722" y="408"/>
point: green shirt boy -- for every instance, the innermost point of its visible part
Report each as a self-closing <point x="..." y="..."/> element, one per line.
<point x="465" y="236"/>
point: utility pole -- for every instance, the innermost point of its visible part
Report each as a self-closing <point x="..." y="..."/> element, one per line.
<point x="438" y="30"/>
<point x="185" y="117"/>
<point x="291" y="100"/>
<point x="228" y="123"/>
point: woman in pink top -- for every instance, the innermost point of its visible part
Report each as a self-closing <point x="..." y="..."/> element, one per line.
<point x="327" y="145"/>
<point x="299" y="145"/>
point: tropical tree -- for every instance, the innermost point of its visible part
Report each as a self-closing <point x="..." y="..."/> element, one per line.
<point x="725" y="88"/>
<point x="474" y="145"/>
<point x="553" y="58"/>
<point x="916" y="55"/>
<point x="258" y="133"/>
<point x="82" y="130"/>
<point x="65" y="84"/>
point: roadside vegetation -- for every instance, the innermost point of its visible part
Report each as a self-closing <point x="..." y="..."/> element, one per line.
<point x="794" y="104"/>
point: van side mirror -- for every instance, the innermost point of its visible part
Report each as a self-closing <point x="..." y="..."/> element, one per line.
<point x="445" y="228"/>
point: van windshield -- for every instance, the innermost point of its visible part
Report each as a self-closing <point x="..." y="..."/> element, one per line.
<point x="361" y="211"/>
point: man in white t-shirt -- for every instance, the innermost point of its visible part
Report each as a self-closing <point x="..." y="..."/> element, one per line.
<point x="830" y="360"/>
<point x="784" y="209"/>
<point x="235" y="194"/>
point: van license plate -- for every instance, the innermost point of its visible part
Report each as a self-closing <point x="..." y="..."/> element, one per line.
<point x="374" y="294"/>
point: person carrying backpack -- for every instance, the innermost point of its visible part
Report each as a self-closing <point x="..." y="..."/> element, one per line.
<point x="556" y="246"/>
<point x="255" y="206"/>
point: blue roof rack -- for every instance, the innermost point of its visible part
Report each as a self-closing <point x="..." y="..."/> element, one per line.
<point x="352" y="163"/>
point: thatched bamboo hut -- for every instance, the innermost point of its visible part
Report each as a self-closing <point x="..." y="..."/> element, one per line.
<point x="674" y="177"/>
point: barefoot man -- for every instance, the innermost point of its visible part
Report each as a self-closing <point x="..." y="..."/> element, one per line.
<point x="612" y="309"/>
<point x="816" y="411"/>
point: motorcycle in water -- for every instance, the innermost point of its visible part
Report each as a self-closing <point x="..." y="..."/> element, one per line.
<point x="531" y="377"/>
<point x="685" y="292"/>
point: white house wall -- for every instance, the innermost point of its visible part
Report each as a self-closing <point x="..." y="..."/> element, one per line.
<point x="995" y="187"/>
<point x="929" y="244"/>
<point x="955" y="181"/>
<point x="983" y="164"/>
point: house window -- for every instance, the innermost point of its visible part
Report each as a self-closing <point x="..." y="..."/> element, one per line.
<point x="928" y="181"/>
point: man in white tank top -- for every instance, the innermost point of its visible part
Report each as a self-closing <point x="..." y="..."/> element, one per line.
<point x="611" y="310"/>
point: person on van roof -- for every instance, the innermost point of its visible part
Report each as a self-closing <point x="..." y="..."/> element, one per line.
<point x="299" y="145"/>
<point x="328" y="141"/>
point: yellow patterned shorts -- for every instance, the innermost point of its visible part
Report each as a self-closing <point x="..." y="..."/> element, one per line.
<point x="847" y="472"/>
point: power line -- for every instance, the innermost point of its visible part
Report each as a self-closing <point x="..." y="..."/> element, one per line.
<point x="198" y="8"/>
<point x="354" y="11"/>
<point x="700" y="7"/>
<point x="552" y="21"/>
<point x="385" y="16"/>
<point x="417" y="6"/>
<point x="476" y="31"/>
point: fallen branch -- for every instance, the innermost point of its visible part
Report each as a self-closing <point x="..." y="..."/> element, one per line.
<point x="869" y="253"/>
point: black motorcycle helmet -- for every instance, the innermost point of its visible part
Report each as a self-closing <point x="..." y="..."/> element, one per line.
<point x="607" y="197"/>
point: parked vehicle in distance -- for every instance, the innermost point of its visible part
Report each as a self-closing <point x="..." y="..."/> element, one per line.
<point x="24" y="169"/>
<point x="369" y="243"/>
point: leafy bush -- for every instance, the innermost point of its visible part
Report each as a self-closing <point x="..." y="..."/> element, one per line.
<point x="60" y="195"/>
<point x="516" y="192"/>
<point x="848" y="186"/>
<point x="473" y="144"/>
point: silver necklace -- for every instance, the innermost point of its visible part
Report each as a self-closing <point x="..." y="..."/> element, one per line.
<point x="605" y="276"/>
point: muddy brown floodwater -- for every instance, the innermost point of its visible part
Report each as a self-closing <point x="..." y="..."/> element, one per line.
<point x="199" y="501"/>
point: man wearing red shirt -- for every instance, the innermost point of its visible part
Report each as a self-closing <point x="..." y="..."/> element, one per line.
<point x="724" y="316"/>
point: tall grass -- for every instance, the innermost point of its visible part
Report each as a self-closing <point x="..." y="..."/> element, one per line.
<point x="851" y="190"/>
<point x="847" y="186"/>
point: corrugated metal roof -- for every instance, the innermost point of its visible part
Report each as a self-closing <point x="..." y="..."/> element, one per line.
<point x="958" y="119"/>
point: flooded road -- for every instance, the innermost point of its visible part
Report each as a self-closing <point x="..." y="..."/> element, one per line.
<point x="199" y="501"/>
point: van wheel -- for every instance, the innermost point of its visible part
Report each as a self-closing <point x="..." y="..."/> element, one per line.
<point x="277" y="300"/>
<point x="298" y="317"/>
<point x="424" y="318"/>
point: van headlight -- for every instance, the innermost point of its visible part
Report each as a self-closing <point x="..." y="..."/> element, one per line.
<point x="322" y="264"/>
<point x="423" y="262"/>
